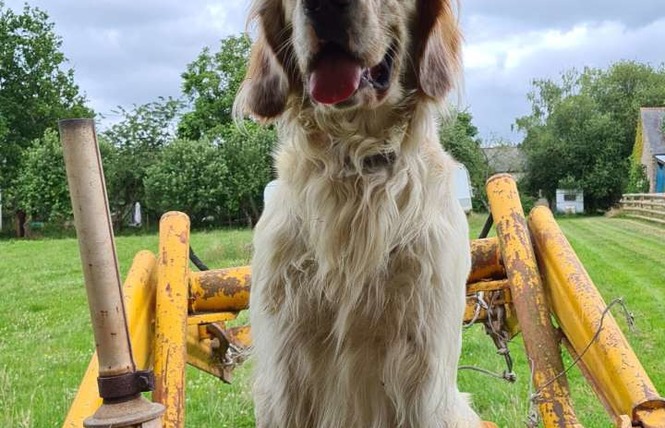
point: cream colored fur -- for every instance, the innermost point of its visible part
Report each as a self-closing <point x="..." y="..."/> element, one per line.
<point x="358" y="283"/>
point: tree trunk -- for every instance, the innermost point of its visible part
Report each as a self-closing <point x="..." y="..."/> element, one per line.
<point x="21" y="218"/>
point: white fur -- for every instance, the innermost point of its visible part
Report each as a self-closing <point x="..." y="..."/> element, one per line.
<point x="358" y="288"/>
<point x="359" y="272"/>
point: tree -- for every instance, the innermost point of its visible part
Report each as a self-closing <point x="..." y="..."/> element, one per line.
<point x="581" y="146"/>
<point x="42" y="180"/>
<point x="211" y="83"/>
<point x="621" y="90"/>
<point x="213" y="182"/>
<point x="459" y="137"/>
<point x="135" y="142"/>
<point x="35" y="89"/>
<point x="188" y="176"/>
<point x="582" y="129"/>
<point x="247" y="154"/>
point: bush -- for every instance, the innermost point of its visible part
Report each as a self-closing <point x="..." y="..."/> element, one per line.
<point x="247" y="154"/>
<point x="188" y="176"/>
<point x="637" y="179"/>
<point x="216" y="183"/>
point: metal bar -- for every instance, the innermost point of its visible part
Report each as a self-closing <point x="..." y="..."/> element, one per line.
<point x="486" y="260"/>
<point x="211" y="317"/>
<point x="171" y="317"/>
<point x="553" y="396"/>
<point x="496" y="285"/>
<point x="609" y="363"/>
<point x="220" y="290"/>
<point x="200" y="354"/>
<point x="97" y="248"/>
<point x="139" y="291"/>
<point x="227" y="290"/>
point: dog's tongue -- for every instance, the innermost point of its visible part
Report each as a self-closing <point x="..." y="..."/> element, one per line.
<point x="335" y="77"/>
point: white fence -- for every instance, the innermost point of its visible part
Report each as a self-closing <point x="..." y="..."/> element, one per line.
<point x="645" y="206"/>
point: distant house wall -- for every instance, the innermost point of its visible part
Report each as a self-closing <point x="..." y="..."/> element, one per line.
<point x="569" y="201"/>
<point x="650" y="169"/>
<point x="653" y="141"/>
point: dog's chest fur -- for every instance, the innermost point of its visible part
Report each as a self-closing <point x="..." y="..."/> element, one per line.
<point x="359" y="277"/>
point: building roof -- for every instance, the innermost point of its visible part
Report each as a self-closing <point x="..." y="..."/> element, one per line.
<point x="510" y="159"/>
<point x="652" y="129"/>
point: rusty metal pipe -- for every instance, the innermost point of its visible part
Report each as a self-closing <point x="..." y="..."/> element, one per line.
<point x="540" y="341"/>
<point x="118" y="379"/>
<point x="609" y="364"/>
<point x="139" y="293"/>
<point x="220" y="290"/>
<point x="97" y="247"/>
<point x="486" y="260"/>
<point x="171" y="317"/>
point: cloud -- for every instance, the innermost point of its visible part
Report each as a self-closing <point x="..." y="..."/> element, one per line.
<point x="128" y="52"/>
<point x="132" y="51"/>
<point x="498" y="71"/>
<point x="540" y="14"/>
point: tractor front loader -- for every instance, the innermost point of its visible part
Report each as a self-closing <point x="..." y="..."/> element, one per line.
<point x="525" y="280"/>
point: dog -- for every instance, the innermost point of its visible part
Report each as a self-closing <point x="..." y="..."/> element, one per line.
<point x="361" y="256"/>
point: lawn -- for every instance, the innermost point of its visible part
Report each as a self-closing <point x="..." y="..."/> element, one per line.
<point x="46" y="340"/>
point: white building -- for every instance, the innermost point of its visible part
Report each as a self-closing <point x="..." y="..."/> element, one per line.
<point x="569" y="201"/>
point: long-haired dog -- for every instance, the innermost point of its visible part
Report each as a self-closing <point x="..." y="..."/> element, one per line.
<point x="361" y="258"/>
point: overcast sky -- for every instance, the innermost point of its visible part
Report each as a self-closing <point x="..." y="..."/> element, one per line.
<point x="128" y="52"/>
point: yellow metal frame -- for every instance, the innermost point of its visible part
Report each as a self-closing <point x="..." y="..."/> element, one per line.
<point x="609" y="364"/>
<point x="529" y="267"/>
<point x="171" y="318"/>
<point x="139" y="291"/>
<point x="167" y="328"/>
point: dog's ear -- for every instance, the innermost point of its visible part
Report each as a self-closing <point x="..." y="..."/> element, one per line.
<point x="438" y="46"/>
<point x="266" y="87"/>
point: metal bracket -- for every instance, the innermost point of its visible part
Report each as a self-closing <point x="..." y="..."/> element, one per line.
<point x="124" y="387"/>
<point x="228" y="353"/>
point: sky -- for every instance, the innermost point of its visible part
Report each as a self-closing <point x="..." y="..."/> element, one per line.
<point x="127" y="52"/>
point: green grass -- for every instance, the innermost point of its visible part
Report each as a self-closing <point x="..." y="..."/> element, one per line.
<point x="46" y="339"/>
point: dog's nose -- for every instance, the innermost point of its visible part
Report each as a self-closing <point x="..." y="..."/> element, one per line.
<point x="329" y="19"/>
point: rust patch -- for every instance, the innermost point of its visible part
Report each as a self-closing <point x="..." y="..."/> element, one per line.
<point x="220" y="284"/>
<point x="486" y="260"/>
<point x="183" y="237"/>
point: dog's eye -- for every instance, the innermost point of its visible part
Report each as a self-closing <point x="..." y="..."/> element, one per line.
<point x="312" y="5"/>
